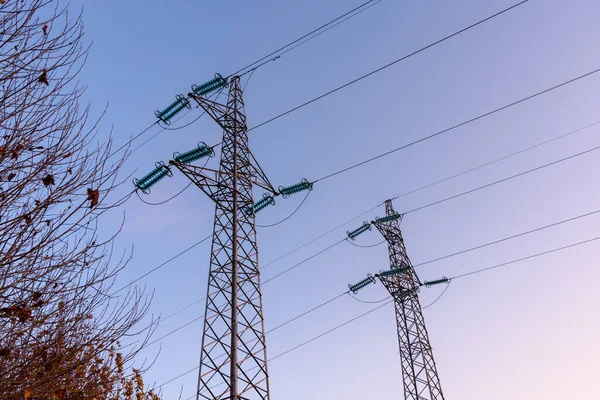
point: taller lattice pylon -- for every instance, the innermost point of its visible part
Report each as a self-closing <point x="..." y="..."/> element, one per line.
<point x="419" y="372"/>
<point x="233" y="361"/>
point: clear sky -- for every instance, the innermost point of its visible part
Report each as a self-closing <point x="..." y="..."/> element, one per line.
<point x="526" y="331"/>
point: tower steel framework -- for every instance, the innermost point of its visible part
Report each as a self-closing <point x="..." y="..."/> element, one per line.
<point x="419" y="372"/>
<point x="233" y="360"/>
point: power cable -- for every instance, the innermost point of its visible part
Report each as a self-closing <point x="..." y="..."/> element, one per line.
<point x="439" y="297"/>
<point x="410" y="211"/>
<point x="365" y="247"/>
<point x="330" y="27"/>
<point x="164" y="201"/>
<point x="317" y="238"/>
<point x="164" y="263"/>
<point x="367" y="302"/>
<point x="430" y="205"/>
<point x="132" y="139"/>
<point x="288" y="217"/>
<point x="481" y="116"/>
<point x="388" y="65"/>
<point x="434" y="184"/>
<point x="303" y="39"/>
<point x="525" y="258"/>
<point x="249" y="66"/>
<point x="389" y="302"/>
<point x="300" y="345"/>
<point x="503" y="180"/>
<point x="285" y="271"/>
<point x="504" y="239"/>
<point x="480" y="166"/>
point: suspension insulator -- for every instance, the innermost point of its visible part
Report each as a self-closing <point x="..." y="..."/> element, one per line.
<point x="353" y="234"/>
<point x="150" y="179"/>
<point x="216" y="83"/>
<point x="299" y="187"/>
<point x="193" y="155"/>
<point x="437" y="281"/>
<point x="261" y="204"/>
<point x="393" y="272"/>
<point x="388" y="218"/>
<point x="362" y="284"/>
<point x="173" y="109"/>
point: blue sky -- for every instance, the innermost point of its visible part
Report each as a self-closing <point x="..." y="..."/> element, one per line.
<point x="526" y="331"/>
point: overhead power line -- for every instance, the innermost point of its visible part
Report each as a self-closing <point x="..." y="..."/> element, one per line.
<point x="478" y="188"/>
<point x="421" y="264"/>
<point x="253" y="66"/>
<point x="481" y="116"/>
<point x="360" y="78"/>
<point x="310" y="35"/>
<point x="373" y="208"/>
<point x="460" y="276"/>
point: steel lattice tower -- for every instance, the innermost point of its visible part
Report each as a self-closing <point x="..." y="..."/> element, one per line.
<point x="233" y="361"/>
<point x="419" y="372"/>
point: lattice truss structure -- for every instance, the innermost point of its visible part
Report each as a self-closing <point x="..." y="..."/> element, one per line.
<point x="233" y="361"/>
<point x="419" y="372"/>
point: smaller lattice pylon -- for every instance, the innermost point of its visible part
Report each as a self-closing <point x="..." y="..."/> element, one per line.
<point x="419" y="372"/>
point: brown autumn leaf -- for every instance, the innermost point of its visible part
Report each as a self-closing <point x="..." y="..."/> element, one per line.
<point x="4" y="352"/>
<point x="67" y="155"/>
<point x="11" y="176"/>
<point x="60" y="393"/>
<point x="70" y="170"/>
<point x="93" y="196"/>
<point x="36" y="296"/>
<point x="27" y="219"/>
<point x="48" y="180"/>
<point x="45" y="29"/>
<point x="27" y="394"/>
<point x="44" y="77"/>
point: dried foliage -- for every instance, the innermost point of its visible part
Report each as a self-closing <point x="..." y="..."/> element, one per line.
<point x="60" y="330"/>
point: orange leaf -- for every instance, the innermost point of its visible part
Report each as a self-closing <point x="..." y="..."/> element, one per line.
<point x="60" y="393"/>
<point x="27" y="394"/>
<point x="93" y="196"/>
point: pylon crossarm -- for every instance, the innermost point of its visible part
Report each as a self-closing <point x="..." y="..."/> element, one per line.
<point x="217" y="111"/>
<point x="260" y="179"/>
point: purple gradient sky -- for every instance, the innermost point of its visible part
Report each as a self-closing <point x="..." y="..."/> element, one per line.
<point x="522" y="332"/>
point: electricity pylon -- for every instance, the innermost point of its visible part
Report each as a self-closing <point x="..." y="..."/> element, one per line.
<point x="233" y="361"/>
<point x="419" y="372"/>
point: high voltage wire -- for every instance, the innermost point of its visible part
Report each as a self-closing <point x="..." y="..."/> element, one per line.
<point x="373" y="208"/>
<point x="342" y="18"/>
<point x="504" y="179"/>
<point x="164" y="263"/>
<point x="388" y="65"/>
<point x="132" y="139"/>
<point x="345" y="85"/>
<point x="467" y="250"/>
<point x="447" y="199"/>
<point x="455" y="277"/>
<point x="349" y="83"/>
<point x="480" y="166"/>
<point x="481" y="116"/>
<point x="251" y="67"/>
